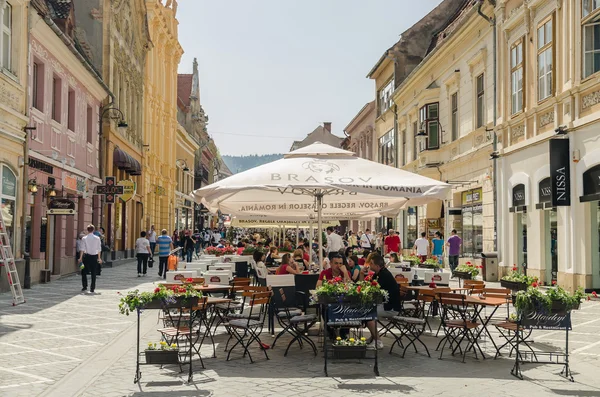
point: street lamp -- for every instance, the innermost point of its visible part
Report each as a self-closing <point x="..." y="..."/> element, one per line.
<point x="185" y="166"/>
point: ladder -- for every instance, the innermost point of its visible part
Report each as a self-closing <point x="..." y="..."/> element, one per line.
<point x="8" y="262"/>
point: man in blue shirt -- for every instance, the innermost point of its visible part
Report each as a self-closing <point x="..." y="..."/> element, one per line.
<point x="165" y="246"/>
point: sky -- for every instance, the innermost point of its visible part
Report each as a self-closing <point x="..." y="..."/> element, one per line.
<point x="271" y="71"/>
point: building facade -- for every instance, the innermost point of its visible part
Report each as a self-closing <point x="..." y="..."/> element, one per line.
<point x="65" y="97"/>
<point x="321" y="134"/>
<point x="360" y="136"/>
<point x="549" y="121"/>
<point x="13" y="116"/>
<point x="161" y="126"/>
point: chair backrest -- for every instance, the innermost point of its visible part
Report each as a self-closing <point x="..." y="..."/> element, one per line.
<point x="283" y="280"/>
<point x="221" y="278"/>
<point x="440" y="290"/>
<point x="405" y="293"/>
<point x="283" y="297"/>
<point x="426" y="295"/>
<point x="473" y="282"/>
<point x="439" y="278"/>
<point x="497" y="292"/>
<point x="202" y="303"/>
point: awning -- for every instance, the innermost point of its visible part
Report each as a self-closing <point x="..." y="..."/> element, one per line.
<point x="125" y="162"/>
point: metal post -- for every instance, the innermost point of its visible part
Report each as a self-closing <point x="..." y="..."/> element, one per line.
<point x="319" y="228"/>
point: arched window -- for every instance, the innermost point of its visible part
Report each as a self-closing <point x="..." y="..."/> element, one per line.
<point x="8" y="197"/>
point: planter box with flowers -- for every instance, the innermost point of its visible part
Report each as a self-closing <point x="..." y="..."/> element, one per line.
<point x="554" y="301"/>
<point x="349" y="348"/>
<point x="431" y="263"/>
<point x="163" y="354"/>
<point x="367" y="292"/>
<point x="161" y="298"/>
<point x="516" y="281"/>
<point x="220" y="251"/>
<point x="414" y="260"/>
<point x="468" y="271"/>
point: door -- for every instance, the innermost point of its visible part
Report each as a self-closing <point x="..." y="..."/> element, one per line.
<point x="595" y="244"/>
<point x="50" y="244"/>
<point x="521" y="239"/>
<point x="551" y="227"/>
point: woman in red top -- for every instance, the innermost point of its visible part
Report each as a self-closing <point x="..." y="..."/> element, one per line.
<point x="286" y="267"/>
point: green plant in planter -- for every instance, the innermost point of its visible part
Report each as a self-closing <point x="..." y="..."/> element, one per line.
<point x="413" y="259"/>
<point x="136" y="299"/>
<point x="432" y="262"/>
<point x="162" y="345"/>
<point x="470" y="268"/>
<point x="366" y="292"/>
<point x="535" y="299"/>
<point x="516" y="277"/>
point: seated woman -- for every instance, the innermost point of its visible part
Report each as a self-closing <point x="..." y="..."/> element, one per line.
<point x="271" y="256"/>
<point x="354" y="268"/>
<point x="286" y="267"/>
<point x="366" y="253"/>
<point x="394" y="258"/>
<point x="298" y="258"/>
<point x="261" y="269"/>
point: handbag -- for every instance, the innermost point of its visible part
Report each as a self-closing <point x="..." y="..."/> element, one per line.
<point x="370" y="242"/>
<point x="150" y="262"/>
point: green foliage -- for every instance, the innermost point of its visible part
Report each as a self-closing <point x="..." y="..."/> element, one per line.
<point x="242" y="163"/>
<point x="413" y="259"/>
<point x="136" y="299"/>
<point x="365" y="292"/>
<point x="534" y="298"/>
<point x="516" y="277"/>
<point x="468" y="268"/>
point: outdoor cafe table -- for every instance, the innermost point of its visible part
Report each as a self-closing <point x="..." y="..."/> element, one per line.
<point x="213" y="288"/>
<point x="210" y="321"/>
<point x="426" y="287"/>
<point x="479" y="304"/>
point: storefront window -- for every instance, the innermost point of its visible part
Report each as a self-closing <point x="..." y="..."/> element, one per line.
<point x="472" y="223"/>
<point x="522" y="239"/>
<point x="596" y="244"/>
<point x="551" y="224"/>
<point x="410" y="227"/>
<point x="8" y="195"/>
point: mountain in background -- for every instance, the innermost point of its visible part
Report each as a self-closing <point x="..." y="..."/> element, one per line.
<point x="242" y="163"/>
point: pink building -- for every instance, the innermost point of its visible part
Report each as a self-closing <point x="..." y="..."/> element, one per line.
<point x="65" y="98"/>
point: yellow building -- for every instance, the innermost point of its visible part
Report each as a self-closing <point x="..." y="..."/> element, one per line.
<point x="160" y="111"/>
<point x="126" y="42"/>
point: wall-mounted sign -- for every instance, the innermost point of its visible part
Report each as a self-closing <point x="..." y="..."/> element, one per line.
<point x="519" y="195"/>
<point x="545" y="190"/>
<point x="109" y="190"/>
<point x="40" y="165"/>
<point x="159" y="190"/>
<point x="591" y="181"/>
<point x="75" y="183"/>
<point x="128" y="189"/>
<point x="61" y="206"/>
<point x="472" y="196"/>
<point x="560" y="172"/>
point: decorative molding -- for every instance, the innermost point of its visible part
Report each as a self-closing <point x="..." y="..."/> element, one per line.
<point x="517" y="132"/>
<point x="96" y="14"/>
<point x="7" y="97"/>
<point x="478" y="140"/>
<point x="546" y="118"/>
<point x="479" y="57"/>
<point x="590" y="100"/>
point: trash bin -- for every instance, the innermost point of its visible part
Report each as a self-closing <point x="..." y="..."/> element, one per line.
<point x="490" y="266"/>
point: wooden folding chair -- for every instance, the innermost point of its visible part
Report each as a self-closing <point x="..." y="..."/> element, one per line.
<point x="476" y="286"/>
<point x="503" y="293"/>
<point x="457" y="325"/>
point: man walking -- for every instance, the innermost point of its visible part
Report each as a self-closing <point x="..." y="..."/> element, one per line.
<point x="334" y="243"/>
<point x="392" y="243"/>
<point x="91" y="247"/>
<point x="165" y="246"/>
<point x="454" y="242"/>
<point x="366" y="240"/>
<point x="151" y="235"/>
<point x="422" y="247"/>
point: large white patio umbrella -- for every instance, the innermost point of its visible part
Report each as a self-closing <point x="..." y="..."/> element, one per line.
<point x="321" y="179"/>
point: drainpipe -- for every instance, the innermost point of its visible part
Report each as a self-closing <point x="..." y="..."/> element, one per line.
<point x="492" y="22"/>
<point x="25" y="178"/>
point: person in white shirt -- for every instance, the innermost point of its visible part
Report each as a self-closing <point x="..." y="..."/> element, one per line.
<point x="142" y="252"/>
<point x="366" y="239"/>
<point x="334" y="243"/>
<point x="422" y="247"/>
<point x="91" y="247"/>
<point x="152" y="239"/>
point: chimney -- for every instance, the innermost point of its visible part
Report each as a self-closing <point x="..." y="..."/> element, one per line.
<point x="327" y="125"/>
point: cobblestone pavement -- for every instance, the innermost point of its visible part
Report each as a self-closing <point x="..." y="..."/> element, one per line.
<point x="64" y="343"/>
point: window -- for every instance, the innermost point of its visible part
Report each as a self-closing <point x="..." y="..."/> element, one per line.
<point x="71" y="110"/>
<point x="544" y="45"/>
<point x="90" y="124"/>
<point x="472" y="222"/>
<point x="410" y="226"/>
<point x="454" y="110"/>
<point x="387" y="153"/>
<point x="385" y="97"/>
<point x="55" y="139"/>
<point x="516" y="77"/>
<point x="38" y="86"/>
<point x="56" y="98"/>
<point x="404" y="154"/>
<point x="415" y="132"/>
<point x="480" y="116"/>
<point x="8" y="196"/>
<point x="591" y="37"/>
<point x="429" y="119"/>
<point x="6" y="42"/>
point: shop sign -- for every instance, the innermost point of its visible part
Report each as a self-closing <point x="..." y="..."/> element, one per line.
<point x="75" y="184"/>
<point x="545" y="190"/>
<point x="472" y="196"/>
<point x="61" y="206"/>
<point x="560" y="172"/>
<point x="519" y="195"/>
<point x="159" y="190"/>
<point x="591" y="181"/>
<point x="109" y="190"/>
<point x="128" y="190"/>
<point x="433" y="223"/>
<point x="40" y="165"/>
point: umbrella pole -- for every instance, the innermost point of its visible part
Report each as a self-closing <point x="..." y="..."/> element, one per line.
<point x="297" y="235"/>
<point x="319" y="228"/>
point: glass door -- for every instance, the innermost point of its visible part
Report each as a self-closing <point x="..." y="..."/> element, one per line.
<point x="551" y="226"/>
<point x="521" y="240"/>
<point x="596" y="244"/>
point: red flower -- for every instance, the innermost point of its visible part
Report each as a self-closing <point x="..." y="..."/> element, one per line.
<point x="589" y="298"/>
<point x="594" y="294"/>
<point x="368" y="278"/>
<point x="514" y="268"/>
<point x="553" y="282"/>
<point x="469" y="263"/>
<point x="337" y="279"/>
<point x="156" y="290"/>
<point x="189" y="280"/>
<point x="358" y="289"/>
<point x="534" y="284"/>
<point x="374" y="283"/>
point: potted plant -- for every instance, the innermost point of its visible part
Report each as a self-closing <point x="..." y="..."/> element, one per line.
<point x="413" y="259"/>
<point x="220" y="251"/>
<point x="516" y="281"/>
<point x="349" y="348"/>
<point x="554" y="300"/>
<point x="364" y="293"/>
<point x="249" y="250"/>
<point x="431" y="263"/>
<point x="160" y="298"/>
<point x="163" y="354"/>
<point x="467" y="271"/>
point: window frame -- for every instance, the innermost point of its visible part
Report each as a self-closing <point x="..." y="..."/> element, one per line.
<point x="8" y="30"/>
<point x="404" y="154"/>
<point x="454" y="116"/>
<point x="415" y="132"/>
<point x="56" y="99"/>
<point x="71" y="108"/>
<point x="387" y="148"/>
<point x="591" y="12"/>
<point x="588" y="21"/>
<point x="480" y="95"/>
<point x="541" y="51"/>
<point x="426" y="120"/>
<point x="514" y="68"/>
<point x="384" y="97"/>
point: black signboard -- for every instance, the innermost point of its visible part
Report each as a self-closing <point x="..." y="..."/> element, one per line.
<point x="342" y="312"/>
<point x="560" y="172"/>
<point x="542" y="320"/>
<point x="519" y="195"/>
<point x="40" y="165"/>
<point x="545" y="190"/>
<point x="591" y="181"/>
<point x="61" y="206"/>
